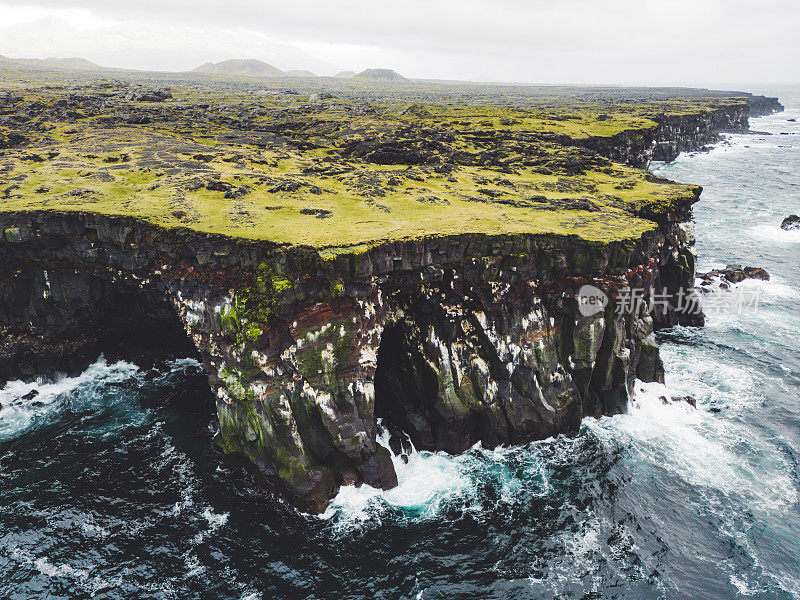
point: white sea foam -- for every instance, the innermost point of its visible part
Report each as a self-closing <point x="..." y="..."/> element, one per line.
<point x="774" y="234"/>
<point x="424" y="483"/>
<point x="94" y="530"/>
<point x="430" y="481"/>
<point x="18" y="415"/>
<point x="214" y="520"/>
<point x="81" y="576"/>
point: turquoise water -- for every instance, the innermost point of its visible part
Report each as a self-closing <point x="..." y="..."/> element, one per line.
<point x="110" y="488"/>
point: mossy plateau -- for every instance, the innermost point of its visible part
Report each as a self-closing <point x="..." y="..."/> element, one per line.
<point x="330" y="172"/>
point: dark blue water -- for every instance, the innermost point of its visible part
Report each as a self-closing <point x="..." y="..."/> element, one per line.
<point x="109" y="487"/>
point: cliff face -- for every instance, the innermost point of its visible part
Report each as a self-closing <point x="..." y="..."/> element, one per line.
<point x="674" y="134"/>
<point x="451" y="340"/>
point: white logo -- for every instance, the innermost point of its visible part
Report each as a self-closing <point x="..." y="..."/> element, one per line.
<point x="591" y="300"/>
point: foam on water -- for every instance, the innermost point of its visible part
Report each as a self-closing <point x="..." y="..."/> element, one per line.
<point x="772" y="233"/>
<point x="430" y="482"/>
<point x="18" y="415"/>
<point x="425" y="482"/>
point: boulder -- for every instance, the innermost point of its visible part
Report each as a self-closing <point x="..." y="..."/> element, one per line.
<point x="285" y="186"/>
<point x="242" y="190"/>
<point x="218" y="186"/>
<point x="690" y="400"/>
<point x="791" y="223"/>
<point x="378" y="470"/>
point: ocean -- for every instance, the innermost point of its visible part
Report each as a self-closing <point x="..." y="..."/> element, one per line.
<point x="110" y="487"/>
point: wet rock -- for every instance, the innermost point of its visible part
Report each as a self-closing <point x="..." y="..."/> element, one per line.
<point x="378" y="471"/>
<point x="733" y="274"/>
<point x="690" y="400"/>
<point x="30" y="395"/>
<point x="791" y="223"/>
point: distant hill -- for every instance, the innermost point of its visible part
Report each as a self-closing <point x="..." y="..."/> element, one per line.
<point x="345" y="74"/>
<point x="300" y="73"/>
<point x="381" y="74"/>
<point x="249" y="67"/>
<point x="70" y="64"/>
<point x="152" y="45"/>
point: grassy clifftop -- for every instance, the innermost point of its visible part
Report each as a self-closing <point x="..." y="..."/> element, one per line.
<point x="330" y="172"/>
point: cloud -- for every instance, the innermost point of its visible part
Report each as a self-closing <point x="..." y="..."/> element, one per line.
<point x="533" y="40"/>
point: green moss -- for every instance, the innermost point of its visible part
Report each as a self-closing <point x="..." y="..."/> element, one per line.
<point x="506" y="172"/>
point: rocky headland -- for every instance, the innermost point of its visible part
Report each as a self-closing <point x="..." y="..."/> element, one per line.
<point x="333" y="260"/>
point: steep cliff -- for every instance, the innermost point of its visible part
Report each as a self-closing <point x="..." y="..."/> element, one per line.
<point x="673" y="133"/>
<point x="452" y="340"/>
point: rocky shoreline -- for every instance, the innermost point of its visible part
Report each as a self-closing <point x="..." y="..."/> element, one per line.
<point x="675" y="134"/>
<point x="452" y="340"/>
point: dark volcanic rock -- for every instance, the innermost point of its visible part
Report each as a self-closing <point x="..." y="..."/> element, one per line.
<point x="378" y="470"/>
<point x="454" y="341"/>
<point x="12" y="140"/>
<point x="791" y="223"/>
<point x="30" y="395"/>
<point x="148" y="96"/>
<point x="138" y="120"/>
<point x="734" y="274"/>
<point x="218" y="186"/>
<point x="690" y="400"/>
<point x="320" y="213"/>
<point x="285" y="186"/>
<point x="242" y="190"/>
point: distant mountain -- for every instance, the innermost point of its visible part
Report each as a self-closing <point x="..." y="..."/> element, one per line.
<point x="345" y="74"/>
<point x="152" y="46"/>
<point x="71" y="64"/>
<point x="380" y="74"/>
<point x="251" y="67"/>
<point x="300" y="73"/>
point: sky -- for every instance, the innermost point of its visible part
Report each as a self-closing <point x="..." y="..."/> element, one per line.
<point x="648" y="42"/>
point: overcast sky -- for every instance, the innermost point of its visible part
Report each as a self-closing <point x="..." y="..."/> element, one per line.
<point x="541" y="41"/>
